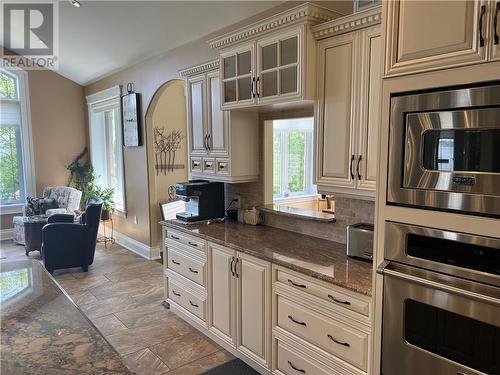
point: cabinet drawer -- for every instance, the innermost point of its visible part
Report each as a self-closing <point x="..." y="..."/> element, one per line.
<point x="208" y="165"/>
<point x="196" y="164"/>
<point x="177" y="237"/>
<point x="222" y="167"/>
<point x="187" y="300"/>
<point x="332" y="295"/>
<point x="328" y="334"/>
<point x="186" y="266"/>
<point x="290" y="362"/>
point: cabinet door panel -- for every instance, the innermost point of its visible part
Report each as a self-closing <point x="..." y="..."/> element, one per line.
<point x="222" y="289"/>
<point x="254" y="306"/>
<point x="196" y="114"/>
<point x="237" y="71"/>
<point x="366" y="167"/>
<point x="337" y="80"/>
<point x="426" y="35"/>
<point x="218" y="126"/>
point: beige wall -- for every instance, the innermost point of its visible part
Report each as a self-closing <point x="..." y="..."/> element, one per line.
<point x="58" y="128"/>
<point x="167" y="111"/>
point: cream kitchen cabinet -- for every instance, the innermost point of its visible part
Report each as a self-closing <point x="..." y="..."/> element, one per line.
<point x="272" y="61"/>
<point x="430" y="35"/>
<point x="348" y="110"/>
<point x="495" y="28"/>
<point x="317" y="327"/>
<point x="223" y="146"/>
<point x="241" y="302"/>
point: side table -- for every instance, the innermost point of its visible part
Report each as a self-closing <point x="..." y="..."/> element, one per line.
<point x="33" y="226"/>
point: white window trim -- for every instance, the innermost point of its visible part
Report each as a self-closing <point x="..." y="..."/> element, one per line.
<point x="27" y="142"/>
<point x="110" y="95"/>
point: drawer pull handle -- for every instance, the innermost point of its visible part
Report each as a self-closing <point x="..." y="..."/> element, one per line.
<point x="296" y="368"/>
<point x="193" y="271"/>
<point x="193" y="244"/>
<point x="174" y="237"/>
<point x="338" y="342"/>
<point x="193" y="304"/>
<point x="175" y="293"/>
<point x="297" y="285"/>
<point x="296" y="321"/>
<point x="175" y="262"/>
<point x="338" y="300"/>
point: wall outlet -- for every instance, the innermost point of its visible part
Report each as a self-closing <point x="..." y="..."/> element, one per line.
<point x="136" y="220"/>
<point x="237" y="202"/>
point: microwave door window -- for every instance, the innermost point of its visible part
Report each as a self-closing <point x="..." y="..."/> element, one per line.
<point x="462" y="150"/>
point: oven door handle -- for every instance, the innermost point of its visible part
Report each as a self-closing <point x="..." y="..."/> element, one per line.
<point x="386" y="270"/>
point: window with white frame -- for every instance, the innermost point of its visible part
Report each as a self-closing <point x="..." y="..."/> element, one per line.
<point x="16" y="165"/>
<point x="293" y="157"/>
<point x="106" y="150"/>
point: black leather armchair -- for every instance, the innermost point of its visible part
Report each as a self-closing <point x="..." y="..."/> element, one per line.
<point x="67" y="245"/>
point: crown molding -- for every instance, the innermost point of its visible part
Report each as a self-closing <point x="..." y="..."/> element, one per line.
<point x="200" y="68"/>
<point x="306" y="13"/>
<point x="369" y="17"/>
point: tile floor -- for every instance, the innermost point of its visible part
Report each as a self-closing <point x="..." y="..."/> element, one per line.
<point x="121" y="294"/>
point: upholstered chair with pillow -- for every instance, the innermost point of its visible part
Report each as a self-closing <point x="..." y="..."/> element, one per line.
<point x="67" y="199"/>
<point x="56" y="200"/>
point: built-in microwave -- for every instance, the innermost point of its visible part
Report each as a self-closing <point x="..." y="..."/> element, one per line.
<point x="444" y="150"/>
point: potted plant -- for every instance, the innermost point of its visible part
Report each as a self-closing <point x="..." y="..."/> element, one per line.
<point x="106" y="196"/>
<point x="82" y="175"/>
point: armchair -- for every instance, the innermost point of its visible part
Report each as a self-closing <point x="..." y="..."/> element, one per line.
<point x="66" y="199"/>
<point x="67" y="245"/>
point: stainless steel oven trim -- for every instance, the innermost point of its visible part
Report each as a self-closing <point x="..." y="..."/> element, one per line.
<point x="397" y="193"/>
<point x="405" y="282"/>
<point x="396" y="236"/>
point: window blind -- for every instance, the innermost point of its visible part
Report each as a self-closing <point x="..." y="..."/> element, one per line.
<point x="10" y="113"/>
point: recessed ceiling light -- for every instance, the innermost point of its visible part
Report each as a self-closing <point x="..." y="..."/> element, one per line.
<point x="76" y="3"/>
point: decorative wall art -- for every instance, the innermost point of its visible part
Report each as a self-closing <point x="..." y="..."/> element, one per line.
<point x="131" y="117"/>
<point x="165" y="146"/>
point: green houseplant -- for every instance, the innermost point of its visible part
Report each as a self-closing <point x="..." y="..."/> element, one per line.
<point x="106" y="196"/>
<point x="82" y="175"/>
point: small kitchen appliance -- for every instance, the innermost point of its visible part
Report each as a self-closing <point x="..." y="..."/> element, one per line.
<point x="204" y="200"/>
<point x="360" y="241"/>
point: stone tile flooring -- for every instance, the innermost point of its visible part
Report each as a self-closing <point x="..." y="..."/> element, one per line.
<point x="121" y="295"/>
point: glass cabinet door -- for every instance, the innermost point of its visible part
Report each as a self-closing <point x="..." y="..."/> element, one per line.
<point x="237" y="77"/>
<point x="278" y="67"/>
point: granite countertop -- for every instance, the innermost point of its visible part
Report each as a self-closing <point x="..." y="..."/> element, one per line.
<point x="43" y="331"/>
<point x="319" y="258"/>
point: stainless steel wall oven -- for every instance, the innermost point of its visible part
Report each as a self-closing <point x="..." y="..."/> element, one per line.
<point x="444" y="150"/>
<point x="441" y="303"/>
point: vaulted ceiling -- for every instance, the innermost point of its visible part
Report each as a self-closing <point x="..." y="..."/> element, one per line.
<point x="102" y="37"/>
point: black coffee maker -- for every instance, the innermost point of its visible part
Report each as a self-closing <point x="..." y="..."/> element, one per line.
<point x="204" y="200"/>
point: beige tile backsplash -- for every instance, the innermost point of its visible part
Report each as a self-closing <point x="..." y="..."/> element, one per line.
<point x="347" y="211"/>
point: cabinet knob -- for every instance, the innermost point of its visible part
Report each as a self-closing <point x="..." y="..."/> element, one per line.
<point x="296" y="368"/>
<point x="350" y="167"/>
<point x="338" y="342"/>
<point x="297" y="321"/>
<point x="481" y="16"/>
<point x="357" y="167"/>
<point x="495" y="24"/>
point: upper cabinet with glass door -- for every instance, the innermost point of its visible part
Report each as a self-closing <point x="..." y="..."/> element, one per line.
<point x="272" y="61"/>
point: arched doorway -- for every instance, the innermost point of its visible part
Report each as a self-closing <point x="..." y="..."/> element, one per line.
<point x="166" y="124"/>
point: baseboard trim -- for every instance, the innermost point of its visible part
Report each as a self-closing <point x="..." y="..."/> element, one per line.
<point x="145" y="251"/>
<point x="6" y="234"/>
